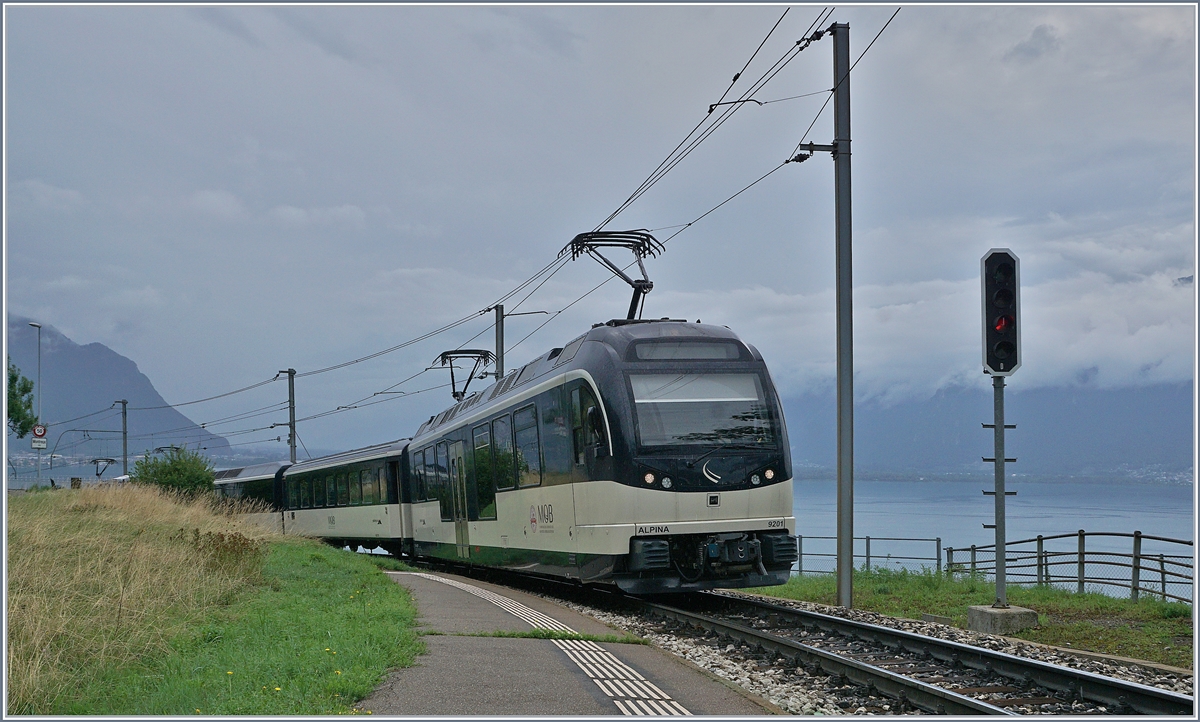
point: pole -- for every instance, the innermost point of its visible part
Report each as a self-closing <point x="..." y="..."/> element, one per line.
<point x="845" y="328"/>
<point x="38" y="326"/>
<point x="1135" y="578"/>
<point x="1001" y="552"/>
<point x="291" y="412"/>
<point x="124" y="437"/>
<point x="1081" y="569"/>
<point x="499" y="341"/>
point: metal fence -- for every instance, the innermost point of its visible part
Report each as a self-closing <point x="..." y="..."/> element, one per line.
<point x="896" y="553"/>
<point x="1154" y="566"/>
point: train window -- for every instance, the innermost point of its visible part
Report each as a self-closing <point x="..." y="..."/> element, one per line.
<point x="355" y="488"/>
<point x="582" y="434"/>
<point x="503" y="453"/>
<point x="430" y="476"/>
<point x="330" y="490"/>
<point x="418" y="476"/>
<point x="485" y="481"/>
<point x="445" y="495"/>
<point x="305" y="493"/>
<point x="318" y="485"/>
<point x="343" y="497"/>
<point x="529" y="452"/>
<point x="371" y="486"/>
<point x="293" y="494"/>
<point x="701" y="408"/>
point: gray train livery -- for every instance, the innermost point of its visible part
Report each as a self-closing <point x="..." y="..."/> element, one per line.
<point x="651" y="455"/>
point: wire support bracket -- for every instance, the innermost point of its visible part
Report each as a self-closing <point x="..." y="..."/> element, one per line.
<point x="640" y="242"/>
<point x="482" y="358"/>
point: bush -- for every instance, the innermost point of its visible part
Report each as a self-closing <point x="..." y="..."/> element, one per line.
<point x="178" y="469"/>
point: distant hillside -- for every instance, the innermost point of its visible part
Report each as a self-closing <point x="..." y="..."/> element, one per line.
<point x="81" y="379"/>
<point x="1140" y="433"/>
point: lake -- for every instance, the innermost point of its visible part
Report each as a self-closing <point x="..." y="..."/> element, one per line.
<point x="957" y="510"/>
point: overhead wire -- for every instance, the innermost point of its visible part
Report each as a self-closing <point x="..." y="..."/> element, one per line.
<point x="210" y="398"/>
<point x="77" y="418"/>
<point x="676" y="156"/>
<point x="843" y="79"/>
<point x="668" y="164"/>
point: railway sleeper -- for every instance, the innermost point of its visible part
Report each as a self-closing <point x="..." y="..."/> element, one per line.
<point x="1078" y="685"/>
<point x="847" y="671"/>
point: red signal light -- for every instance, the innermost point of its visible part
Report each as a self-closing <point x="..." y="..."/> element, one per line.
<point x="1004" y="323"/>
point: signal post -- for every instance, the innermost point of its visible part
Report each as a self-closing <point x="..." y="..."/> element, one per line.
<point x="1001" y="309"/>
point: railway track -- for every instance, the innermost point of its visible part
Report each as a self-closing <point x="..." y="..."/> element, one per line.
<point x="868" y="667"/>
<point x="911" y="671"/>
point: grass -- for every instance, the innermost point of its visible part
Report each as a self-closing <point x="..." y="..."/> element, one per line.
<point x="1149" y="629"/>
<point x="128" y="601"/>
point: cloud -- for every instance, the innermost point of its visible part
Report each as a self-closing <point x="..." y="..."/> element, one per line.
<point x="42" y="196"/>
<point x="227" y="22"/>
<point x="346" y="215"/>
<point x="217" y="203"/>
<point x="1042" y="41"/>
<point x="322" y="34"/>
<point x="911" y="339"/>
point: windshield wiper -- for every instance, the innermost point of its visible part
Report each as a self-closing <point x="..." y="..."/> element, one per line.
<point x="751" y="447"/>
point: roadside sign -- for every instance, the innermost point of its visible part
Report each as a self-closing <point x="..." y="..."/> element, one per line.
<point x="38" y="443"/>
<point x="39" y="431"/>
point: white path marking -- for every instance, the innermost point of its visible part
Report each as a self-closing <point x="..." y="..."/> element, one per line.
<point x="632" y="693"/>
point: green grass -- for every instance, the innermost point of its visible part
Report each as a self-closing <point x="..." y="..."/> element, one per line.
<point x="1149" y="629"/>
<point x="318" y="636"/>
<point x="390" y="564"/>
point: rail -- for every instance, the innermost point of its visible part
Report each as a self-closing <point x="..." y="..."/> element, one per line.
<point x="826" y="561"/>
<point x="1157" y="569"/>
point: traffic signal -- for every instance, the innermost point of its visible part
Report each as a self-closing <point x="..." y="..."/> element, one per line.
<point x="1001" y="312"/>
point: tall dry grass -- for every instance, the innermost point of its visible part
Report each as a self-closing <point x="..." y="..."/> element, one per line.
<point x="102" y="577"/>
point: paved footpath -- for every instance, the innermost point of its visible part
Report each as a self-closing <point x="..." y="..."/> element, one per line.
<point x="462" y="674"/>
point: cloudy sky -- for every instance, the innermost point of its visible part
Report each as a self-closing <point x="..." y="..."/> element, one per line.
<point x="219" y="193"/>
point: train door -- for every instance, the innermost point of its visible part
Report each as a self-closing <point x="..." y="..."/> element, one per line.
<point x="458" y="490"/>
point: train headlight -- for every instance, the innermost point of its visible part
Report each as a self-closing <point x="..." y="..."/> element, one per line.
<point x="769" y="473"/>
<point x="649" y="478"/>
<point x="755" y="480"/>
<point x="666" y="482"/>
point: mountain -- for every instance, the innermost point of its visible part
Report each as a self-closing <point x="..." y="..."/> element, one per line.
<point x="79" y="380"/>
<point x="1142" y="433"/>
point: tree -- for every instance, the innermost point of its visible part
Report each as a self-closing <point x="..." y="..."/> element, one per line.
<point x="21" y="418"/>
<point x="179" y="469"/>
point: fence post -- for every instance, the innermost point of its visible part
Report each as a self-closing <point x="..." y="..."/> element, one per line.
<point x="1041" y="574"/>
<point x="1081" y="571"/>
<point x="1162" y="569"/>
<point x="937" y="555"/>
<point x="950" y="561"/>
<point x="1136" y="573"/>
<point x="868" y="553"/>
<point x="972" y="560"/>
<point x="799" y="555"/>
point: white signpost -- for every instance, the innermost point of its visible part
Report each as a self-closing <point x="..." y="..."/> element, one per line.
<point x="39" y="437"/>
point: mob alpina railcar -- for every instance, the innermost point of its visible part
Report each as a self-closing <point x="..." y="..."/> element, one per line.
<point x="652" y="455"/>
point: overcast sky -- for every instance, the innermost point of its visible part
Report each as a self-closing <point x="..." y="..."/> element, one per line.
<point x="219" y="193"/>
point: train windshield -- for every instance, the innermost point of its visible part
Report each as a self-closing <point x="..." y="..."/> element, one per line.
<point x="702" y="409"/>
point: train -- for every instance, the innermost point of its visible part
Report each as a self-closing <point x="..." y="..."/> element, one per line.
<point x="650" y="455"/>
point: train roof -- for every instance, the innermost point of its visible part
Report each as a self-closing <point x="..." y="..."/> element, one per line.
<point x="618" y="334"/>
<point x="367" y="453"/>
<point x="245" y="473"/>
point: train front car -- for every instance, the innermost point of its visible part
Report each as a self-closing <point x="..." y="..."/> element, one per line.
<point x="692" y="488"/>
<point x="649" y="454"/>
